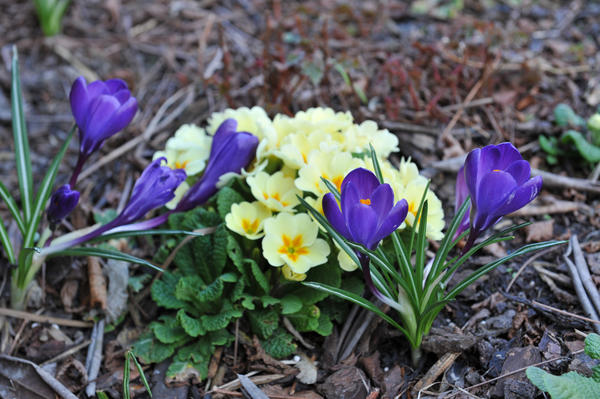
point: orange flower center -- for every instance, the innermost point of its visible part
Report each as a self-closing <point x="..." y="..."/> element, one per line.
<point x="250" y="227"/>
<point x="366" y="201"/>
<point x="181" y="165"/>
<point x="292" y="247"/>
<point x="496" y="170"/>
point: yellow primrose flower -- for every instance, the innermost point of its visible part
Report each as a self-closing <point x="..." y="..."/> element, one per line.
<point x="331" y="164"/>
<point x="179" y="192"/>
<point x="312" y="120"/>
<point x="246" y="218"/>
<point x="292" y="240"/>
<point x="188" y="149"/>
<point x="295" y="148"/>
<point x="358" y="138"/>
<point x="345" y="261"/>
<point x="289" y="274"/>
<point x="276" y="191"/>
<point x="413" y="192"/>
<point x="408" y="172"/>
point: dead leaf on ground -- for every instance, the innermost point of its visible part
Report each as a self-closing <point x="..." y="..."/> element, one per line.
<point x="540" y="231"/>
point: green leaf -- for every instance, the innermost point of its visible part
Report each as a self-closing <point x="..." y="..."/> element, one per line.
<point x="163" y="292"/>
<point x="264" y="322"/>
<point x="279" y="345"/>
<point x="267" y="300"/>
<point x="126" y="371"/>
<point x="222" y="319"/>
<point x="227" y="196"/>
<point x="7" y="245"/>
<point x="12" y="207"/>
<point x="329" y="274"/>
<point x="105" y="253"/>
<point x="138" y="282"/>
<point x="193" y="327"/>
<point x="290" y="304"/>
<point x="549" y="145"/>
<point x="141" y="233"/>
<point x="592" y="345"/>
<point x="565" y="116"/>
<point x="21" y="141"/>
<point x="567" y="386"/>
<point x="193" y="289"/>
<point x="140" y="370"/>
<point x="167" y="330"/>
<point x="587" y="150"/>
<point x="219" y="250"/>
<point x="307" y="319"/>
<point x="325" y="327"/>
<point x="258" y="275"/>
<point x="150" y="350"/>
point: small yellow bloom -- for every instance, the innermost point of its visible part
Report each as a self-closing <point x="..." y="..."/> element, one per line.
<point x="179" y="193"/>
<point x="289" y="274"/>
<point x="345" y="261"/>
<point x="296" y="148"/>
<point x="276" y="191"/>
<point x="292" y="240"/>
<point x="332" y="165"/>
<point x="413" y="192"/>
<point x="188" y="149"/>
<point x="358" y="138"/>
<point x="247" y="218"/>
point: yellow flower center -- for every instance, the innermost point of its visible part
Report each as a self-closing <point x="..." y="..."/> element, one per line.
<point x="181" y="165"/>
<point x="292" y="247"/>
<point x="276" y="197"/>
<point x="250" y="227"/>
<point x="365" y="201"/>
<point x="496" y="170"/>
<point x="338" y="182"/>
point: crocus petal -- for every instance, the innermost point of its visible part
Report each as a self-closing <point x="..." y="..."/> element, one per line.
<point x="521" y="196"/>
<point x="334" y="215"/>
<point x="495" y="187"/>
<point x="364" y="180"/>
<point x="79" y="100"/>
<point x="62" y="202"/>
<point x="348" y="199"/>
<point x="121" y="118"/>
<point x="382" y="201"/>
<point x="508" y="155"/>
<point x="520" y="171"/>
<point x="391" y="222"/>
<point x="362" y="223"/>
<point x="225" y="129"/>
<point x="115" y="85"/>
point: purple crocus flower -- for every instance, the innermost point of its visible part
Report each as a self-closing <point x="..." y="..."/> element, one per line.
<point x="62" y="202"/>
<point x="460" y="196"/>
<point x="100" y="109"/>
<point x="230" y="152"/>
<point x="499" y="182"/>
<point x="154" y="188"/>
<point x="368" y="215"/>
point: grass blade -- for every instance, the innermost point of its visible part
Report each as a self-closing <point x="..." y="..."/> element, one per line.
<point x="23" y="161"/>
<point x="126" y="371"/>
<point x="106" y="253"/>
<point x="8" y="249"/>
<point x="141" y="373"/>
<point x="12" y="207"/>
<point x="139" y="233"/>
<point x="44" y="192"/>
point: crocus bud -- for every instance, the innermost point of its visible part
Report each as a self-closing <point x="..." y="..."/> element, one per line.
<point x="100" y="109"/>
<point x="230" y="152"/>
<point x="499" y="182"/>
<point x="62" y="202"/>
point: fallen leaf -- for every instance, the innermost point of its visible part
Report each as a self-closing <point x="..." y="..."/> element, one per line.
<point x="540" y="231"/>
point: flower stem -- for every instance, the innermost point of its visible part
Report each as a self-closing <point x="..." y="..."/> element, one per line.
<point x="80" y="161"/>
<point x="366" y="269"/>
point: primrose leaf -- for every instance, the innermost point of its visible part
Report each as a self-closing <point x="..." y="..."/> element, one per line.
<point x="168" y="330"/>
<point x="193" y="289"/>
<point x="163" y="292"/>
<point x="227" y="196"/>
<point x="279" y="345"/>
<point x="258" y="275"/>
<point x="150" y="350"/>
<point x="290" y="304"/>
<point x="329" y="274"/>
<point x="219" y="250"/>
<point x="193" y="327"/>
<point x="587" y="150"/>
<point x="325" y="326"/>
<point x="567" y="386"/>
<point x="565" y="116"/>
<point x="592" y="346"/>
<point x="549" y="145"/>
<point x="220" y="320"/>
<point x="264" y="322"/>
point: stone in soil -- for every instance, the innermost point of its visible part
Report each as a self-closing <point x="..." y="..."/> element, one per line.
<point x="517" y="386"/>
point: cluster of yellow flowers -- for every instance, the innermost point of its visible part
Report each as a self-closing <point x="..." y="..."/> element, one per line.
<point x="298" y="151"/>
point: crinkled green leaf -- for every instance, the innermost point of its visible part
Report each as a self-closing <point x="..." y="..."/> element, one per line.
<point x="567" y="386"/>
<point x="219" y="250"/>
<point x="167" y="330"/>
<point x="163" y="291"/>
<point x="325" y="326"/>
<point x="306" y="319"/>
<point x="138" y="282"/>
<point x="150" y="350"/>
<point x="264" y="322"/>
<point x="258" y="275"/>
<point x="592" y="345"/>
<point x="192" y="326"/>
<point x="193" y="289"/>
<point x="227" y="196"/>
<point x="268" y="300"/>
<point x="587" y="150"/>
<point x="329" y="274"/>
<point x="565" y="116"/>
<point x="221" y="319"/>
<point x="279" y="345"/>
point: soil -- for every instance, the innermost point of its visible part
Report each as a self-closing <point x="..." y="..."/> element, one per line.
<point x="444" y="81"/>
